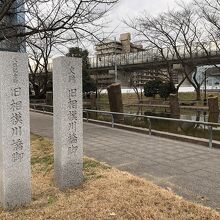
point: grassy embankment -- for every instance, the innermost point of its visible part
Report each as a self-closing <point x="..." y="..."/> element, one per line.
<point x="131" y="98"/>
<point x="105" y="194"/>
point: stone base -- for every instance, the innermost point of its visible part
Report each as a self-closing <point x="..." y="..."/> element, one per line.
<point x="68" y="175"/>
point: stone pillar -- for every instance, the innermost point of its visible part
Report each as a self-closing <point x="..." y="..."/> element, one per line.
<point x="68" y="124"/>
<point x="93" y="100"/>
<point x="174" y="106"/>
<point x="15" y="172"/>
<point x="213" y="117"/>
<point x="115" y="100"/>
<point x="213" y="104"/>
<point x="49" y="98"/>
<point x="213" y="109"/>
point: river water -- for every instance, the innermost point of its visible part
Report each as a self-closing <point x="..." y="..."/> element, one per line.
<point x="182" y="128"/>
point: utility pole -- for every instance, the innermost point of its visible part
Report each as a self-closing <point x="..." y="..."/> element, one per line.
<point x="116" y="68"/>
<point x="205" y="99"/>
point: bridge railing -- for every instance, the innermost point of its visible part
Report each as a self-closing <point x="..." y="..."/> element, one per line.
<point x="150" y="56"/>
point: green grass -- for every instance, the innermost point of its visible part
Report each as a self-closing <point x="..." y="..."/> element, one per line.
<point x="131" y="98"/>
<point x="51" y="199"/>
<point x="192" y="95"/>
<point x="91" y="167"/>
<point x="45" y="160"/>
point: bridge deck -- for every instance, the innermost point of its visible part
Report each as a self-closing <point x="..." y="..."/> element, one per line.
<point x="142" y="60"/>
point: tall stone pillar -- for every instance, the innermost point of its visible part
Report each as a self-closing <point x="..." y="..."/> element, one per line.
<point x="93" y="100"/>
<point x="213" y="104"/>
<point x="174" y="106"/>
<point x="15" y="172"/>
<point x="213" y="109"/>
<point x="115" y="101"/>
<point x="49" y="98"/>
<point x="68" y="124"/>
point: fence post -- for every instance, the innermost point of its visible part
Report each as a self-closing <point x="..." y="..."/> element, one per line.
<point x="87" y="116"/>
<point x="112" y="121"/>
<point x="149" y="123"/>
<point x="210" y="136"/>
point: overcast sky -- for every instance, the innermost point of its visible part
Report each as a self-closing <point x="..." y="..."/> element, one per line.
<point x="132" y="8"/>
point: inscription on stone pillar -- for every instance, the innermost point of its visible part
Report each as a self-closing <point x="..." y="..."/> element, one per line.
<point x="15" y="185"/>
<point x="68" y="131"/>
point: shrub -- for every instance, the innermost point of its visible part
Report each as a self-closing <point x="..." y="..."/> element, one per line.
<point x="165" y="89"/>
<point x="151" y="88"/>
<point x="154" y="87"/>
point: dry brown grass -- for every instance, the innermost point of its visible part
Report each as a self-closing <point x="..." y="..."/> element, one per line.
<point x="106" y="194"/>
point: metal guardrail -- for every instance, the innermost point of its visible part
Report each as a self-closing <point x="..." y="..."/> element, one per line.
<point x="210" y="125"/>
<point x="149" y="118"/>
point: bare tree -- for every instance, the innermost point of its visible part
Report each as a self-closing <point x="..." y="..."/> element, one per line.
<point x="138" y="79"/>
<point x="174" y="35"/>
<point x="209" y="13"/>
<point x="151" y="31"/>
<point x="135" y="79"/>
<point x="39" y="51"/>
<point x="40" y="48"/>
<point x="50" y="24"/>
<point x="74" y="19"/>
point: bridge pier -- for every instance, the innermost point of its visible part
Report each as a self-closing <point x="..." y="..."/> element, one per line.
<point x="180" y="73"/>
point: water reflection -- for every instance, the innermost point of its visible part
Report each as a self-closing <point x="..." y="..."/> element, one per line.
<point x="184" y="128"/>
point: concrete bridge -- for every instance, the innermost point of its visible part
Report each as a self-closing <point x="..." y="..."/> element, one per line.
<point x="209" y="55"/>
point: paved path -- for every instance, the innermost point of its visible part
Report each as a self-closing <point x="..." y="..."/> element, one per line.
<point x="190" y="170"/>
